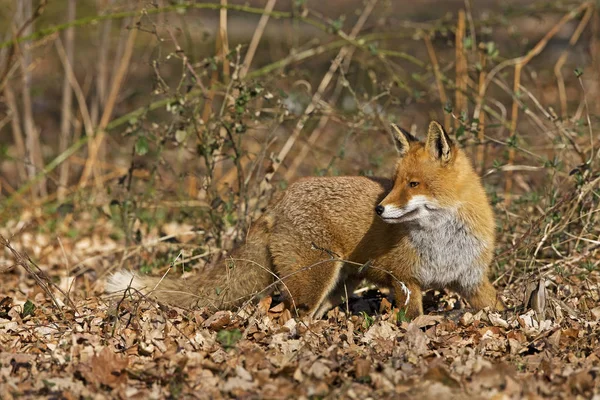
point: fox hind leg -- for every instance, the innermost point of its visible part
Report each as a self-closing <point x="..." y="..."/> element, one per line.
<point x="329" y="295"/>
<point x="340" y="294"/>
<point x="307" y="280"/>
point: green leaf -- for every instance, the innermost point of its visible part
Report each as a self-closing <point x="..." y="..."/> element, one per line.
<point x="492" y="50"/>
<point x="401" y="316"/>
<point x="368" y="320"/>
<point x="448" y="107"/>
<point x="338" y="24"/>
<point x="48" y="384"/>
<point x="227" y="338"/>
<point x="372" y="48"/>
<point x="28" y="309"/>
<point x="141" y="146"/>
<point x="468" y="42"/>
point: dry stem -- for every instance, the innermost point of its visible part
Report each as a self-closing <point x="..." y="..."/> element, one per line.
<point x="438" y="79"/>
<point x="67" y="100"/>
<point x="317" y="96"/>
<point x="96" y="142"/>
<point x="461" y="68"/>
<point x="522" y="62"/>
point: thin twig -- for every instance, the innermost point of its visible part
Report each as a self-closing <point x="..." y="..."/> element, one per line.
<point x="19" y="36"/>
<point x="94" y="146"/>
<point x="521" y="63"/>
<point x="438" y="79"/>
<point x="316" y="98"/>
<point x="562" y="92"/>
<point x="32" y="137"/>
<point x="67" y="100"/>
<point x="469" y="11"/>
<point x="589" y="123"/>
<point x="103" y="68"/>
<point x="17" y="132"/>
<point x="480" y="117"/>
<point x="461" y="69"/>
<point x="72" y="79"/>
<point x="40" y="277"/>
<point x="291" y="172"/>
<point x="258" y="32"/>
<point x="224" y="36"/>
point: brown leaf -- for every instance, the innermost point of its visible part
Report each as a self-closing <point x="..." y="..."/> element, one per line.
<point x="105" y="368"/>
<point x="218" y="356"/>
<point x="466" y="319"/>
<point x="595" y="313"/>
<point x="264" y="304"/>
<point x="417" y="339"/>
<point x="362" y="368"/>
<point x="236" y="383"/>
<point x="489" y="378"/>
<point x="426" y="320"/>
<point x="383" y="330"/>
<point x="286" y="315"/>
<point x="440" y="374"/>
<point x="515" y="346"/>
<point x="319" y="370"/>
<point x="554" y="339"/>
<point x="496" y="320"/>
<point x="385" y="306"/>
<point x="278" y="308"/>
<point x="218" y="320"/>
<point x="581" y="382"/>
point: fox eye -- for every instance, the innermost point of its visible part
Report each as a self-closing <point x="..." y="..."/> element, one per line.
<point x="413" y="184"/>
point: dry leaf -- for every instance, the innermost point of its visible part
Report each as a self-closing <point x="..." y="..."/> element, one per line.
<point x="278" y="308"/>
<point x="106" y="368"/>
<point x="362" y="368"/>
<point x="496" y="320"/>
<point x="417" y="339"/>
<point x="218" y="320"/>
<point x="264" y="304"/>
<point x="426" y="320"/>
<point x="382" y="329"/>
<point x="441" y="375"/>
<point x="319" y="369"/>
<point x="236" y="383"/>
<point x="385" y="306"/>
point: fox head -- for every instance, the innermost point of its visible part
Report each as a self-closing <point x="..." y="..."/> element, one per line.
<point x="428" y="177"/>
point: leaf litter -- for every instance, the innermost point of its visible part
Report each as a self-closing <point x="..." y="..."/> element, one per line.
<point x="134" y="348"/>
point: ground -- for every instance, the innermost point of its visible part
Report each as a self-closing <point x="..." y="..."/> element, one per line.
<point x="132" y="348"/>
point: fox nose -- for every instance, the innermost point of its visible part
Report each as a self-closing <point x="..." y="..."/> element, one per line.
<point x="379" y="209"/>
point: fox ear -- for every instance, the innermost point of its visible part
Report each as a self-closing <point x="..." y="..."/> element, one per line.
<point x="438" y="142"/>
<point x="402" y="139"/>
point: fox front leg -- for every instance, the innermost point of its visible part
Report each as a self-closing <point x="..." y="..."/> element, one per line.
<point x="483" y="296"/>
<point x="409" y="298"/>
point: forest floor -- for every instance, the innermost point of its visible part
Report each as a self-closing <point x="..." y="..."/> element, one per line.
<point x="94" y="347"/>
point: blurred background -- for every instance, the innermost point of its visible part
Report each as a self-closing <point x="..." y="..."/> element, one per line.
<point x="149" y="133"/>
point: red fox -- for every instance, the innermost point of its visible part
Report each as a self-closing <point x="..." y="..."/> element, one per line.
<point x="430" y="227"/>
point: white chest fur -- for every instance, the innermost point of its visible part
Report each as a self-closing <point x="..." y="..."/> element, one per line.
<point x="449" y="254"/>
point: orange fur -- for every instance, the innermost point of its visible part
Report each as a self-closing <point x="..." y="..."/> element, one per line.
<point x="308" y="232"/>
